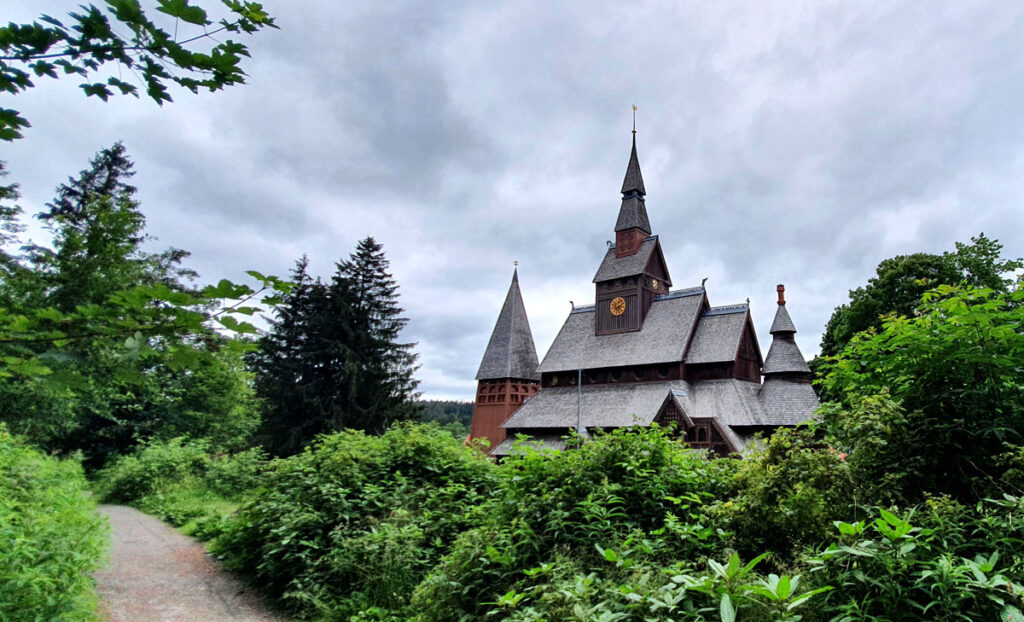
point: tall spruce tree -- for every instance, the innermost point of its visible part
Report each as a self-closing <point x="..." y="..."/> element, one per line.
<point x="332" y="359"/>
<point x="289" y="376"/>
<point x="379" y="371"/>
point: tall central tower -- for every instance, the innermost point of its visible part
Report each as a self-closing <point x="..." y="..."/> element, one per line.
<point x="633" y="271"/>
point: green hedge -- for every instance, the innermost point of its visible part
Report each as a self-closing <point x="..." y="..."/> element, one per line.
<point x="51" y="539"/>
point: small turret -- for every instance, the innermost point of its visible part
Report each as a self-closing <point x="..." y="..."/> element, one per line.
<point x="784" y="357"/>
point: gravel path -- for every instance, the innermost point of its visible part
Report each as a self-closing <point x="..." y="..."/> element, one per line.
<point x="156" y="574"/>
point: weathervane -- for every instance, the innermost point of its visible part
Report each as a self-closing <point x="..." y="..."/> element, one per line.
<point x="634" y="119"/>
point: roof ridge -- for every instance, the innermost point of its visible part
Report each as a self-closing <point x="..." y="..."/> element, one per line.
<point x="727" y="309"/>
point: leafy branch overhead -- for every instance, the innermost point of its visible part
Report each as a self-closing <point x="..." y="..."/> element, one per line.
<point x="123" y="40"/>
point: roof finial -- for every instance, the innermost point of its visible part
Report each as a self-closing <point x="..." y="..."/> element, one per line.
<point x="515" y="262"/>
<point x="782" y="293"/>
<point x="634" y="119"/>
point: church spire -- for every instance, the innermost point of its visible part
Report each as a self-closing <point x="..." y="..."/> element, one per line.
<point x="510" y="352"/>
<point x="634" y="180"/>
<point x="633" y="212"/>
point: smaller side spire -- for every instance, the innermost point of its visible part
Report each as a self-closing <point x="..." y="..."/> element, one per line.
<point x="510" y="352"/>
<point x="784" y="357"/>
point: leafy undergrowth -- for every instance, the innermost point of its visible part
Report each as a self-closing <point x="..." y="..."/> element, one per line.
<point x="181" y="483"/>
<point x="51" y="539"/>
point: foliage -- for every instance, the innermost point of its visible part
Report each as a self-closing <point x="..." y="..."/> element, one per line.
<point x="181" y="482"/>
<point x="355" y="520"/>
<point x="637" y="490"/>
<point x="955" y="369"/>
<point x="124" y="36"/>
<point x="889" y="568"/>
<point x="900" y="282"/>
<point x="790" y="490"/>
<point x="51" y="539"/>
<point x="103" y="343"/>
<point x="332" y="359"/>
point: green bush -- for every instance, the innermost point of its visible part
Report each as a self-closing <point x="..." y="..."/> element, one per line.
<point x="152" y="467"/>
<point x="637" y="490"/>
<point x="352" y="524"/>
<point x="181" y="483"/>
<point x="51" y="539"/>
<point x="790" y="490"/>
<point x="892" y="568"/>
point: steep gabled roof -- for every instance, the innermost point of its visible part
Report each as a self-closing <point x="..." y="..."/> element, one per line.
<point x="662" y="338"/>
<point x="717" y="338"/>
<point x="613" y="267"/>
<point x="510" y="352"/>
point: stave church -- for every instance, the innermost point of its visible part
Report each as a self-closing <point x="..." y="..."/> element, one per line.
<point x="643" y="353"/>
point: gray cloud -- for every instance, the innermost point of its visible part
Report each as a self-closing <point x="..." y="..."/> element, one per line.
<point x="798" y="143"/>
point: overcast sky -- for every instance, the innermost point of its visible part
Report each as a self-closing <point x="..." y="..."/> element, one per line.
<point x="787" y="142"/>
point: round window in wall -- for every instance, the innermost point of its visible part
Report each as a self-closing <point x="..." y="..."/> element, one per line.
<point x="639" y="373"/>
<point x="615" y="375"/>
<point x="663" y="371"/>
<point x="554" y="380"/>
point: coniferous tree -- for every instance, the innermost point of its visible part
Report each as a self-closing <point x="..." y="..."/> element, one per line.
<point x="381" y="387"/>
<point x="332" y="359"/>
<point x="288" y="379"/>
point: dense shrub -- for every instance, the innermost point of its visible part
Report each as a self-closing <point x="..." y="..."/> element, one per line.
<point x="790" y="490"/>
<point x="355" y="521"/>
<point x="955" y="370"/>
<point x="637" y="490"/>
<point x="937" y="561"/>
<point x="182" y="483"/>
<point x="51" y="539"/>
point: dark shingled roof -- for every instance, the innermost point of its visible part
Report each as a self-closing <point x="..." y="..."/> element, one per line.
<point x="782" y="323"/>
<point x="601" y="405"/>
<point x="613" y="267"/>
<point x="784" y="356"/>
<point x="634" y="181"/>
<point x="786" y="402"/>
<point x="731" y="401"/>
<point x="510" y="353"/>
<point x="633" y="213"/>
<point x="718" y="335"/>
<point x="661" y="339"/>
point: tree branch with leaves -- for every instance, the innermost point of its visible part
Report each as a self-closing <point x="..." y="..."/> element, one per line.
<point x="123" y="39"/>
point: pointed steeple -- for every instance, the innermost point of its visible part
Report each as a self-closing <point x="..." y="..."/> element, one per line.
<point x="510" y="352"/>
<point x="634" y="181"/>
<point x="784" y="357"/>
<point x="633" y="212"/>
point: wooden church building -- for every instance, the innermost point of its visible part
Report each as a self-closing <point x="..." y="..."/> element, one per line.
<point x="643" y="353"/>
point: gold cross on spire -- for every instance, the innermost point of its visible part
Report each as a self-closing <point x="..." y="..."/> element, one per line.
<point x="634" y="118"/>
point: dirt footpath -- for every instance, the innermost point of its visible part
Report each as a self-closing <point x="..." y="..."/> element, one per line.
<point x="156" y="574"/>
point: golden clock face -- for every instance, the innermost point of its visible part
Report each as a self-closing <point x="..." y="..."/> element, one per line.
<point x="655" y="284"/>
<point x="618" y="306"/>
